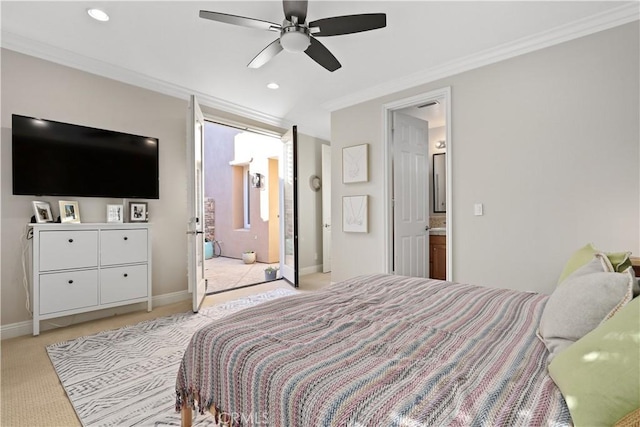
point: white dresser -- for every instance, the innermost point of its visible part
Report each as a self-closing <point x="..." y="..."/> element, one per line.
<point x="84" y="267"/>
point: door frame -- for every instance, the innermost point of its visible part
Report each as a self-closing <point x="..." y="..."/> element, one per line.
<point x="271" y="133"/>
<point x="387" y="199"/>
<point x="326" y="207"/>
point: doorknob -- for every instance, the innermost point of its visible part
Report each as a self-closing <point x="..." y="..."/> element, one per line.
<point x="426" y="228"/>
<point x="327" y="225"/>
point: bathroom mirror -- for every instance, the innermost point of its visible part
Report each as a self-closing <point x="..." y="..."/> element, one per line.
<point x="440" y="183"/>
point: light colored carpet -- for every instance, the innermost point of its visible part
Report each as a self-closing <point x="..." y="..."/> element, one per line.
<point x="127" y="376"/>
<point x="31" y="394"/>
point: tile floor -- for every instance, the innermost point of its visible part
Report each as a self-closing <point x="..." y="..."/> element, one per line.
<point x="223" y="274"/>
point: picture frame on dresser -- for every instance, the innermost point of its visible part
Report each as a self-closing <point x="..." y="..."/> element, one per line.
<point x="69" y="211"/>
<point x="42" y="211"/>
<point x="138" y="212"/>
<point x="115" y="213"/>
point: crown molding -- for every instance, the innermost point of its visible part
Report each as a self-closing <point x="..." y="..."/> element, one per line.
<point x="67" y="58"/>
<point x="609" y="19"/>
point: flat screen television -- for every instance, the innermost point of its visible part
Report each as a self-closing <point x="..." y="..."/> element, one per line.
<point x="60" y="159"/>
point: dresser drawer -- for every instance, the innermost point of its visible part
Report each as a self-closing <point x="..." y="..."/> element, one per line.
<point x="123" y="246"/>
<point x="68" y="290"/>
<point x="123" y="283"/>
<point x="60" y="250"/>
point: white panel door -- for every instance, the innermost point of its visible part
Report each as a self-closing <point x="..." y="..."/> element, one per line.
<point x="411" y="195"/>
<point x="326" y="208"/>
<point x="195" y="203"/>
<point x="289" y="207"/>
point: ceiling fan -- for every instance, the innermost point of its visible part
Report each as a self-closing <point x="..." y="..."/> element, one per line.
<point x="297" y="35"/>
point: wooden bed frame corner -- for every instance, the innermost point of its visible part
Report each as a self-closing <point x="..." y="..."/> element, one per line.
<point x="186" y="415"/>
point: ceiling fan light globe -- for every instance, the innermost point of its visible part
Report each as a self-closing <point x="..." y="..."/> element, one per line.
<point x="98" y="14"/>
<point x="294" y="41"/>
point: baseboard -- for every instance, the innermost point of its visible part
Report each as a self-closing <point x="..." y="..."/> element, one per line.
<point x="13" y="330"/>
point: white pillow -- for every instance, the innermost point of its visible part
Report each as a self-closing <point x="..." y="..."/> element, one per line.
<point x="588" y="297"/>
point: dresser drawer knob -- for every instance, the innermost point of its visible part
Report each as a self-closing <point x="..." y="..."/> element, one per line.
<point x="126" y="275"/>
<point x="126" y="238"/>
<point x="70" y="281"/>
<point x="70" y="240"/>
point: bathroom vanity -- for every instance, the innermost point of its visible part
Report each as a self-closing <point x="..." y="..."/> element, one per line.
<point x="438" y="256"/>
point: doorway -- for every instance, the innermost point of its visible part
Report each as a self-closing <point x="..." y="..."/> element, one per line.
<point x="411" y="217"/>
<point x="241" y="198"/>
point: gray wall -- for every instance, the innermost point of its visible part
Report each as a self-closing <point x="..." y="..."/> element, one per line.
<point x="309" y="205"/>
<point x="548" y="141"/>
<point x="38" y="88"/>
<point x="35" y="87"/>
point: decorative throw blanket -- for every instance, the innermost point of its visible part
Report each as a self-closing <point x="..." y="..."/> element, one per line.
<point x="375" y="351"/>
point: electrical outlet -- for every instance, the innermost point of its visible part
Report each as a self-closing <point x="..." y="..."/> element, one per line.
<point x="477" y="209"/>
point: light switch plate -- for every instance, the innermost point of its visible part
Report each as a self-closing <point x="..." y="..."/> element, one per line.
<point x="477" y="209"/>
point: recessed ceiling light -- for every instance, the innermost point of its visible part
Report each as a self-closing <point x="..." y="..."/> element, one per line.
<point x="98" y="15"/>
<point x="273" y="85"/>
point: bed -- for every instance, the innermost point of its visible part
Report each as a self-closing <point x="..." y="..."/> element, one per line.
<point x="374" y="351"/>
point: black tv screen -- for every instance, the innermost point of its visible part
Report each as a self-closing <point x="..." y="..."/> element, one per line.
<point x="59" y="159"/>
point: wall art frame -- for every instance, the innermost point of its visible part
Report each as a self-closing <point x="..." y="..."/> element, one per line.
<point x="355" y="213"/>
<point x="355" y="164"/>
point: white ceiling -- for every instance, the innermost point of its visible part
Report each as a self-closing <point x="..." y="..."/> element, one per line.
<point x="165" y="46"/>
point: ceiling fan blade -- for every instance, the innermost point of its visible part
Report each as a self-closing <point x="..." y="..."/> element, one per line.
<point x="319" y="53"/>
<point x="266" y="54"/>
<point x="240" y="20"/>
<point x="348" y="24"/>
<point x="295" y="8"/>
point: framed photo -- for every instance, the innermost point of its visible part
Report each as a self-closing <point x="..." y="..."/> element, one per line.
<point x="42" y="211"/>
<point x="138" y="212"/>
<point x="69" y="211"/>
<point x="355" y="163"/>
<point x="354" y="214"/>
<point x="115" y="213"/>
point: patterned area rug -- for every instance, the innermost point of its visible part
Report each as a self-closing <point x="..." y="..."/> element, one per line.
<point x="127" y="376"/>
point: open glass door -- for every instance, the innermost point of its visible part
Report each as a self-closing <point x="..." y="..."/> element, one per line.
<point x="195" y="203"/>
<point x="289" y="207"/>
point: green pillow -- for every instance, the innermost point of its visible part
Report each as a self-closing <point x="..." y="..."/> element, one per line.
<point x="619" y="260"/>
<point x="599" y="375"/>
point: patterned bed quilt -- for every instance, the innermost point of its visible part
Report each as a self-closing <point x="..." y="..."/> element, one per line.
<point x="378" y="350"/>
